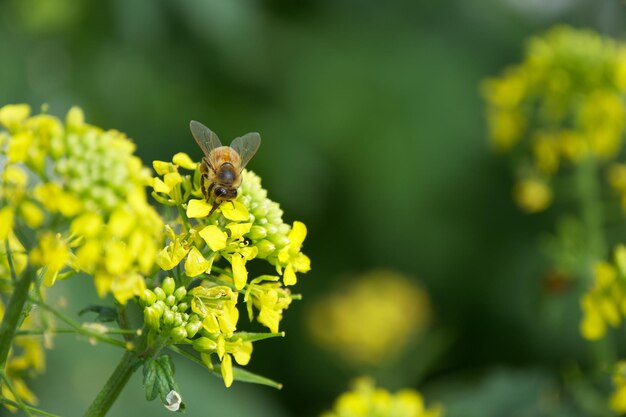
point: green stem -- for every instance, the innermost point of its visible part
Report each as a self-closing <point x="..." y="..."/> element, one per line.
<point x="77" y="327"/>
<point x="33" y="410"/>
<point x="13" y="312"/>
<point x="129" y="363"/>
<point x="18" y="401"/>
<point x="591" y="209"/>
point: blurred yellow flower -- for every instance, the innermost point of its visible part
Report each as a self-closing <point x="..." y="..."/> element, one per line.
<point x="532" y="196"/>
<point x="371" y="319"/>
<point x="365" y="400"/>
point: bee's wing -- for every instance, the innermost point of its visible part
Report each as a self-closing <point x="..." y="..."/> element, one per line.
<point x="246" y="146"/>
<point x="207" y="140"/>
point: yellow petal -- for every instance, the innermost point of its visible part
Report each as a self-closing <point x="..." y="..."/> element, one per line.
<point x="33" y="215"/>
<point x="289" y="277"/>
<point x="87" y="225"/>
<point x="227" y="370"/>
<point x="160" y="187"/>
<point x="214" y="237"/>
<point x="195" y="264"/>
<point x="197" y="209"/>
<point x="240" y="274"/>
<point x="103" y="283"/>
<point x="6" y="222"/>
<point x="234" y="211"/>
<point x="121" y="222"/>
<point x="183" y="160"/>
<point x="297" y="235"/>
<point x="19" y="146"/>
<point x="125" y="287"/>
<point x="301" y="263"/>
<point x="88" y="255"/>
<point x="592" y="326"/>
<point x="68" y="204"/>
<point x="118" y="259"/>
<point x="243" y="353"/>
<point x="14" y="114"/>
<point x="162" y="167"/>
<point x="237" y="230"/>
<point x="172" y="179"/>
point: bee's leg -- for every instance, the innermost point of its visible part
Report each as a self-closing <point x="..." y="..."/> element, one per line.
<point x="207" y="191"/>
<point x="215" y="206"/>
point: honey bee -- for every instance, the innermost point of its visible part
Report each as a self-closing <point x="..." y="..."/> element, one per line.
<point x="222" y="165"/>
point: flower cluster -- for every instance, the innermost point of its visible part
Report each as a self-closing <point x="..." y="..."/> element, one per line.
<point x="604" y="304"/>
<point x="562" y="104"/>
<point x="211" y="255"/>
<point x="365" y="400"/>
<point x="75" y="196"/>
<point x="373" y="319"/>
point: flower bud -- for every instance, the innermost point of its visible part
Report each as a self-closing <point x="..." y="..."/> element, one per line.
<point x="180" y="293"/>
<point x="168" y="317"/>
<point x="160" y="294"/>
<point x="152" y="317"/>
<point x="148" y="297"/>
<point x="265" y="248"/>
<point x="192" y="328"/>
<point x="204" y="344"/>
<point x="178" y="334"/>
<point x="182" y="307"/>
<point x="168" y="285"/>
<point x="170" y="300"/>
<point x="178" y="319"/>
<point x="159" y="306"/>
<point x="257" y="232"/>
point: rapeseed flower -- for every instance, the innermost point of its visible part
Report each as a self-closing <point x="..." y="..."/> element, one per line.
<point x="561" y="105"/>
<point x="212" y="253"/>
<point x="371" y="319"/>
<point x="366" y="400"/>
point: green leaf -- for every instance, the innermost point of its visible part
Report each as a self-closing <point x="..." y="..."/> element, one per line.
<point x="158" y="379"/>
<point x="105" y="314"/>
<point x="242" y="375"/>
<point x="254" y="337"/>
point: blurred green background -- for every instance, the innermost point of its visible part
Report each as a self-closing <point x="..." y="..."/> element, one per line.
<point x="373" y="135"/>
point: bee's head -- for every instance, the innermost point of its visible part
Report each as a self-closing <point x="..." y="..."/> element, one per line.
<point x="225" y="193"/>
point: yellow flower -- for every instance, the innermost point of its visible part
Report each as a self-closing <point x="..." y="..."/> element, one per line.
<point x="532" y="196"/>
<point x="366" y="400"/>
<point x="372" y="320"/>
<point x="52" y="253"/>
<point x="291" y="257"/>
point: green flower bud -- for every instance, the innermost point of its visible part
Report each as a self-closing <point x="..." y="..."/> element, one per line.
<point x="180" y="293"/>
<point x="168" y="285"/>
<point x="204" y="344"/>
<point x="152" y="317"/>
<point x="192" y="328"/>
<point x="265" y="248"/>
<point x="168" y="317"/>
<point x="148" y="297"/>
<point x="178" y="334"/>
<point x="160" y="294"/>
<point x="170" y="300"/>
<point x="178" y="319"/>
<point x="182" y="307"/>
<point x="159" y="306"/>
<point x="257" y="233"/>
